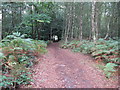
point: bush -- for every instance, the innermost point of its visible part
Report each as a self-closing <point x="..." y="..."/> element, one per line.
<point x="17" y="56"/>
<point x="73" y="44"/>
<point x="105" y="50"/>
<point x="109" y="69"/>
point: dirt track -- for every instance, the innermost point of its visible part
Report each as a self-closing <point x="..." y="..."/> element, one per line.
<point x="62" y="68"/>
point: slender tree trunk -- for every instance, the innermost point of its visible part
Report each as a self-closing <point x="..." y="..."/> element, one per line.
<point x="81" y="22"/>
<point x="70" y="22"/>
<point x="118" y="8"/>
<point x="93" y="21"/>
<point x="51" y="33"/>
<point x="108" y="29"/>
<point x="66" y="20"/>
<point x="73" y="14"/>
<point x="12" y="15"/>
<point x="68" y="27"/>
<point x="96" y="21"/>
<point x="32" y="27"/>
<point x="0" y="23"/>
<point x="20" y="14"/>
<point x="38" y="30"/>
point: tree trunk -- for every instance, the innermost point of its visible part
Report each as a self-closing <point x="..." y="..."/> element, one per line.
<point x="96" y="20"/>
<point x="51" y="33"/>
<point x="38" y="30"/>
<point x="68" y="27"/>
<point x="108" y="29"/>
<point x="81" y="22"/>
<point x="93" y="21"/>
<point x="73" y="20"/>
<point x="20" y="14"/>
<point x="0" y="23"/>
<point x="12" y="15"/>
<point x="32" y="27"/>
<point x="118" y="6"/>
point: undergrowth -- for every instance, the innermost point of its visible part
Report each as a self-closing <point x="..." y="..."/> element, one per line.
<point x="106" y="51"/>
<point x="17" y="56"/>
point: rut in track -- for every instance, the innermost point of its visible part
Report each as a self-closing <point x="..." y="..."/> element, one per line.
<point x="61" y="68"/>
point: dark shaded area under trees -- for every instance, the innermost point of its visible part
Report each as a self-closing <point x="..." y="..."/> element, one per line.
<point x="78" y="20"/>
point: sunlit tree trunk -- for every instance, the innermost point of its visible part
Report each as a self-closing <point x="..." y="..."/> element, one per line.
<point x="108" y="29"/>
<point x="66" y="22"/>
<point x="93" y="21"/>
<point x="69" y="22"/>
<point x="33" y="31"/>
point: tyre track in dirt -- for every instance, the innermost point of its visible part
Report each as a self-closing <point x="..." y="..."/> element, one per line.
<point x="62" y="68"/>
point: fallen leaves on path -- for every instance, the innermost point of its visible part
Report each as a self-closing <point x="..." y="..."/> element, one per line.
<point x="61" y="68"/>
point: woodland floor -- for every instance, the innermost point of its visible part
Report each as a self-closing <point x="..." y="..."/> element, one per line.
<point x="61" y="68"/>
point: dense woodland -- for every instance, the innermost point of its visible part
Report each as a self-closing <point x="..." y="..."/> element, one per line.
<point x="85" y="20"/>
<point x="28" y="27"/>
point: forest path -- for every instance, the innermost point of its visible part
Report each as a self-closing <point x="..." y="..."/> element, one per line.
<point x="62" y="68"/>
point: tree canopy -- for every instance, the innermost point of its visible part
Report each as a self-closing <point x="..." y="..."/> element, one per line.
<point x="68" y="20"/>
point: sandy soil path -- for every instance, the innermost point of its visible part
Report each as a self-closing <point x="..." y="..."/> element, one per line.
<point x="61" y="68"/>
